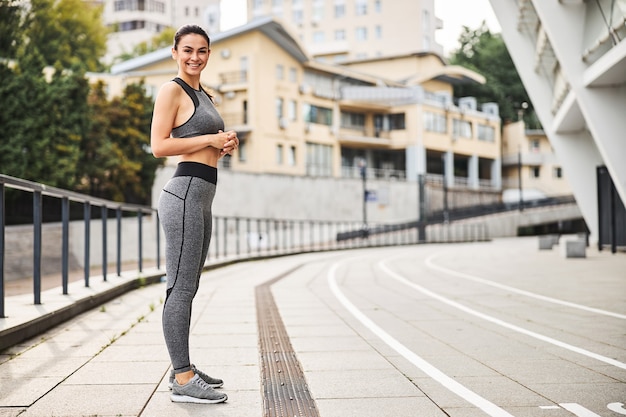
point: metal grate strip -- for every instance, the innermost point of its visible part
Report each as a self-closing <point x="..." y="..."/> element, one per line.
<point x="285" y="391"/>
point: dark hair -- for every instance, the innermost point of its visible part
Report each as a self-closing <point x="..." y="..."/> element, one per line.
<point x="186" y="30"/>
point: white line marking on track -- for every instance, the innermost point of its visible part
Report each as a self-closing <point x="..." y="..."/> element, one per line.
<point x="430" y="264"/>
<point x="499" y="322"/>
<point x="578" y="410"/>
<point x="449" y="383"/>
<point x="617" y="407"/>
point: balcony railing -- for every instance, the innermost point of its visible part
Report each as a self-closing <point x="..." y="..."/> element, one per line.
<point x="233" y="77"/>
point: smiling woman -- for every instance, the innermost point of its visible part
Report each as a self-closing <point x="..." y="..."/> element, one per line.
<point x="186" y="124"/>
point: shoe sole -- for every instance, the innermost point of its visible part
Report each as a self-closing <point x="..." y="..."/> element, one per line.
<point x="170" y="385"/>
<point x="187" y="399"/>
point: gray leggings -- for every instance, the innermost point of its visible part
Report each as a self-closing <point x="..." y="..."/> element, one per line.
<point x="185" y="214"/>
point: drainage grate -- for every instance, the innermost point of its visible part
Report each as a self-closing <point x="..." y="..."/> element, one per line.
<point x="285" y="392"/>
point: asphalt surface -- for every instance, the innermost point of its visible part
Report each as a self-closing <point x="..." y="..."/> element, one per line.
<point x="498" y="328"/>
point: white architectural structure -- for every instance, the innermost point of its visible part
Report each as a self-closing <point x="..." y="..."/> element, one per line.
<point x="571" y="57"/>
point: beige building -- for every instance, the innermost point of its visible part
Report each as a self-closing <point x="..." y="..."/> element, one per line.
<point x="530" y="152"/>
<point x="340" y="30"/>
<point x="395" y="117"/>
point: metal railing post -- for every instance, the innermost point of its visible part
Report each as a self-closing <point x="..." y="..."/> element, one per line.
<point x="2" y="224"/>
<point x="65" y="250"/>
<point x="37" y="209"/>
<point x="118" y="261"/>
<point x="87" y="219"/>
<point x="140" y="237"/>
<point x="104" y="212"/>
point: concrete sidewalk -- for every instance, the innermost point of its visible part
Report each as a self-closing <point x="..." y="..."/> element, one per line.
<point x="112" y="360"/>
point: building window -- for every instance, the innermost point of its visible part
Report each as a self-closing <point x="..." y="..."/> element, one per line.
<point x="257" y="5"/>
<point x="361" y="33"/>
<point x="279" y="154"/>
<point x="534" y="145"/>
<point x="486" y="133"/>
<point x="280" y="72"/>
<point x="293" y="75"/>
<point x="557" y="172"/>
<point x="361" y="7"/>
<point x="340" y="9"/>
<point x="340" y="35"/>
<point x="378" y="32"/>
<point x="297" y="16"/>
<point x="318" y="10"/>
<point x="351" y="120"/>
<point x="292" y="109"/>
<point x="279" y="107"/>
<point x="378" y="6"/>
<point x="292" y="156"/>
<point x="319" y="160"/>
<point x="396" y="121"/>
<point x="435" y="122"/>
<point x="318" y="36"/>
<point x="316" y="114"/>
<point x="534" y="172"/>
<point x="461" y="128"/>
<point x="426" y="21"/>
<point x="242" y="151"/>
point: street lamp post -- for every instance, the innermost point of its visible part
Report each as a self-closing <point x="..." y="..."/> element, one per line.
<point x="363" y="170"/>
<point x="519" y="175"/>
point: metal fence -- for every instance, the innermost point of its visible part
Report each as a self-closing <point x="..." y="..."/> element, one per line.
<point x="233" y="238"/>
<point x="106" y="208"/>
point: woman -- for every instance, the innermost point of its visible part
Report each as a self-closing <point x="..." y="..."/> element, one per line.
<point x="185" y="123"/>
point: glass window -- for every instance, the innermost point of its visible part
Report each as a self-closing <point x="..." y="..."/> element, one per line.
<point x="486" y="133"/>
<point x="318" y="36"/>
<point x="361" y="33"/>
<point x="293" y="75"/>
<point x="340" y="9"/>
<point x="340" y="35"/>
<point x="316" y="114"/>
<point x="319" y="160"/>
<point x="292" y="109"/>
<point x="361" y="7"/>
<point x="461" y="128"/>
<point x="378" y="6"/>
<point x="378" y="32"/>
<point x="279" y="107"/>
<point x="435" y="122"/>
<point x="279" y="154"/>
<point x="351" y="120"/>
<point x="280" y="72"/>
<point x="292" y="156"/>
<point x="535" y="172"/>
<point x="558" y="172"/>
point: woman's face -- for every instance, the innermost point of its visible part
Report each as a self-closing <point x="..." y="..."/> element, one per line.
<point x="192" y="53"/>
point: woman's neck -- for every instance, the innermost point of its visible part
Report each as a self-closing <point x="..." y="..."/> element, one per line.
<point x="192" y="81"/>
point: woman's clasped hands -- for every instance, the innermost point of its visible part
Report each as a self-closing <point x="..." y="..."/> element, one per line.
<point x="229" y="142"/>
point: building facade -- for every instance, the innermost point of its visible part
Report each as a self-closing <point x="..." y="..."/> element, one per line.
<point x="299" y="117"/>
<point x="135" y="21"/>
<point x="527" y="152"/>
<point x="341" y="30"/>
<point x="571" y="57"/>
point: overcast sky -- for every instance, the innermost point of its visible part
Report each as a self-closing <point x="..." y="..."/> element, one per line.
<point x="454" y="13"/>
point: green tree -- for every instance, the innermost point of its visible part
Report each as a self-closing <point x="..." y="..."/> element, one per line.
<point x="10" y="22"/>
<point x="485" y="52"/>
<point x="161" y="40"/>
<point x="116" y="161"/>
<point x="68" y="32"/>
<point x="42" y="122"/>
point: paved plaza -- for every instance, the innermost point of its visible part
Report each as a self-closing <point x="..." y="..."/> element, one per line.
<point x="496" y="328"/>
